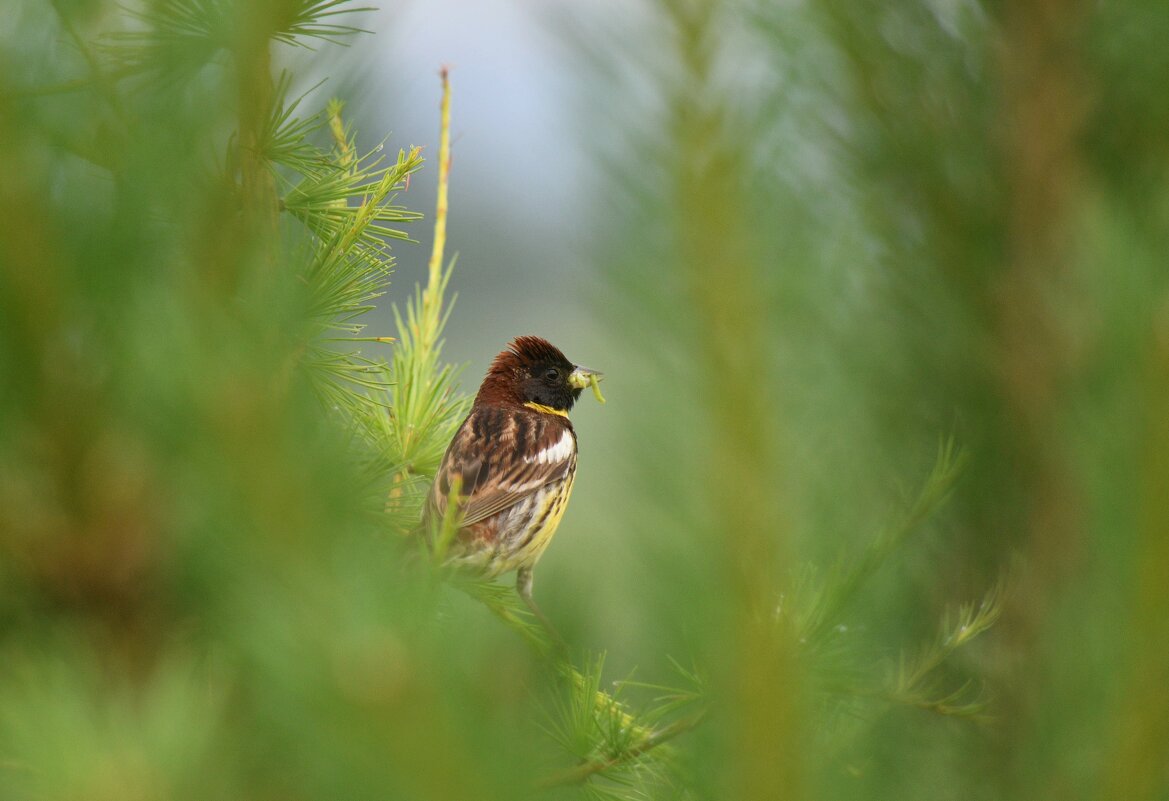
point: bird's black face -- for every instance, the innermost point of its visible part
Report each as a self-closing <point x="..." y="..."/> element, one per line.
<point x="533" y="372"/>
<point x="547" y="383"/>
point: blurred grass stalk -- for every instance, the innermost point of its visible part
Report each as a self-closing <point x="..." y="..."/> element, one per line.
<point x="1139" y="726"/>
<point x="757" y="679"/>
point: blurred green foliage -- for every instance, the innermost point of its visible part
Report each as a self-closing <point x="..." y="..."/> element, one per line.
<point x="847" y="228"/>
<point x="841" y="233"/>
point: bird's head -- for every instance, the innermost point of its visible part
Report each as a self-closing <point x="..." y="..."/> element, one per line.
<point x="534" y="371"/>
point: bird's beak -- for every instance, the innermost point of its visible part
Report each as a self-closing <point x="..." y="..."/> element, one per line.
<point x="582" y="377"/>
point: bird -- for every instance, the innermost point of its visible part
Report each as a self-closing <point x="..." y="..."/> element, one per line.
<point x="510" y="467"/>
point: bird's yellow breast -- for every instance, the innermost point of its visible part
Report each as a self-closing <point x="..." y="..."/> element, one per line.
<point x="547" y="510"/>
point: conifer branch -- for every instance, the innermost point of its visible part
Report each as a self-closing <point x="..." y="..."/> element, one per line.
<point x="346" y="152"/>
<point x="823" y="613"/>
<point x="424" y="407"/>
<point x="586" y="770"/>
<point x="913" y="682"/>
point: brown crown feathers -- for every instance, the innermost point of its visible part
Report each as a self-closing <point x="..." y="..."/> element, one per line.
<point x="531" y="370"/>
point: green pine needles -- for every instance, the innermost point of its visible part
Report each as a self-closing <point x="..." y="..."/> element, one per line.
<point x="208" y="461"/>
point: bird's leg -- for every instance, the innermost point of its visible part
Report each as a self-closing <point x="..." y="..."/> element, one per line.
<point x="523" y="586"/>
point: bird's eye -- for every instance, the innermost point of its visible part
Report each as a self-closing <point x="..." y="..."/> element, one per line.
<point x="551" y="374"/>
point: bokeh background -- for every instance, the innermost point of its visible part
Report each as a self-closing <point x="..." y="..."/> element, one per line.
<point x="806" y="241"/>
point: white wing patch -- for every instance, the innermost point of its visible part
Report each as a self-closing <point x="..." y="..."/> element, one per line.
<point x="562" y="450"/>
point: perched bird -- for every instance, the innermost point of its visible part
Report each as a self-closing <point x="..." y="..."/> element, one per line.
<point x="513" y="461"/>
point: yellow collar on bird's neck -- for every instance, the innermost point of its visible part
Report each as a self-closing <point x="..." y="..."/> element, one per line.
<point x="542" y="409"/>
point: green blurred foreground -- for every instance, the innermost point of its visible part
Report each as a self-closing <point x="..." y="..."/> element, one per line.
<point x="853" y="230"/>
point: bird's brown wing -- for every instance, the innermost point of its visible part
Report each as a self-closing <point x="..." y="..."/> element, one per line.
<point x="502" y="455"/>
